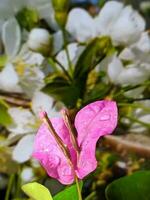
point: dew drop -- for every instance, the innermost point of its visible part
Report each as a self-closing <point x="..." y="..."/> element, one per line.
<point x="104" y="117"/>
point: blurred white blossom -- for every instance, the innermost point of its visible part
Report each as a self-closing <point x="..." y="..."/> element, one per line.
<point x="40" y="41"/>
<point x="25" y="123"/>
<point x="131" y="74"/>
<point x="27" y="174"/>
<point x="123" y="24"/>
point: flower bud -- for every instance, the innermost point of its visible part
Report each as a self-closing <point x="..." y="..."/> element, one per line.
<point x="61" y="8"/>
<point x="40" y="41"/>
<point x="60" y="5"/>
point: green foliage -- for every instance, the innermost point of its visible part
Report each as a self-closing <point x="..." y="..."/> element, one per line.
<point x="70" y="91"/>
<point x="70" y="193"/>
<point x="5" y="118"/>
<point x="3" y="60"/>
<point x="37" y="191"/>
<point x="60" y="88"/>
<point x="95" y="52"/>
<point x="134" y="187"/>
<point x="28" y="18"/>
<point x="8" y="165"/>
<point x="61" y="8"/>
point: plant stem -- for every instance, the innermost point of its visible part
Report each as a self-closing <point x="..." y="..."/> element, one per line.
<point x="78" y="188"/>
<point x="11" y="179"/>
<point x="66" y="49"/>
<point x="63" y="69"/>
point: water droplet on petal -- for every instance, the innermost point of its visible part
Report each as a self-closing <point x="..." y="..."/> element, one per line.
<point x="104" y="117"/>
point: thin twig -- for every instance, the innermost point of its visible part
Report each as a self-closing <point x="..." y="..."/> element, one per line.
<point x="16" y="101"/>
<point x="71" y="129"/>
<point x="63" y="69"/>
<point x="60" y="143"/>
<point x="120" y="144"/>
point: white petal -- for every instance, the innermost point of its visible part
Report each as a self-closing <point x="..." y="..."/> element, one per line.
<point x="136" y="127"/>
<point x="132" y="76"/>
<point x="11" y="36"/>
<point x="108" y="16"/>
<point x="23" y="119"/>
<point x="32" y="80"/>
<point x="80" y="25"/>
<point x="42" y="102"/>
<point x="30" y="57"/>
<point x="27" y="174"/>
<point x="39" y="38"/>
<point x="127" y="54"/>
<point x="46" y="12"/>
<point x="144" y="43"/>
<point x="62" y="56"/>
<point x="23" y="150"/>
<point x="58" y="41"/>
<point x="9" y="79"/>
<point x="128" y="27"/>
<point x="114" y="69"/>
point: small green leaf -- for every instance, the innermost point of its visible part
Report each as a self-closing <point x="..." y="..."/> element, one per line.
<point x="28" y="18"/>
<point x="37" y="191"/>
<point x="96" y="51"/>
<point x="134" y="187"/>
<point x="59" y="87"/>
<point x="5" y="118"/>
<point x="70" y="193"/>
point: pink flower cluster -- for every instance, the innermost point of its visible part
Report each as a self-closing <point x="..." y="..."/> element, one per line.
<point x="91" y="122"/>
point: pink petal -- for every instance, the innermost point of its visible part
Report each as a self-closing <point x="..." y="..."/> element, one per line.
<point x="47" y="151"/>
<point x="92" y="122"/>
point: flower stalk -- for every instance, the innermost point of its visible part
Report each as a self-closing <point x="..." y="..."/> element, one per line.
<point x="60" y="143"/>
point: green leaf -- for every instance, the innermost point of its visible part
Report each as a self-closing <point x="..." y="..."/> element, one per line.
<point x="133" y="187"/>
<point x="37" y="191"/>
<point x="70" y="193"/>
<point x="100" y="91"/>
<point x="96" y="51"/>
<point x="28" y="18"/>
<point x="3" y="60"/>
<point x="5" y="118"/>
<point x="60" y="88"/>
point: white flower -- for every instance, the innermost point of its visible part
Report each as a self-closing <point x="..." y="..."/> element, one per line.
<point x="107" y="17"/>
<point x="8" y="9"/>
<point x="18" y="68"/>
<point x="43" y="102"/>
<point x="123" y="24"/>
<point x="39" y="40"/>
<point x="141" y="115"/>
<point x="32" y="80"/>
<point x="27" y="174"/>
<point x="80" y="25"/>
<point x="129" y="75"/>
<point x="139" y="51"/>
<point x="9" y="80"/>
<point x="23" y="150"/>
<point x="29" y="57"/>
<point x="25" y="123"/>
